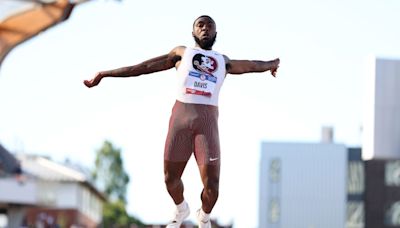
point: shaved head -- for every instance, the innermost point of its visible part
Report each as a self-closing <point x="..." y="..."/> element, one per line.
<point x="203" y="16"/>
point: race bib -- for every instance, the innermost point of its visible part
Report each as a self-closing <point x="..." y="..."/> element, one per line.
<point x="200" y="83"/>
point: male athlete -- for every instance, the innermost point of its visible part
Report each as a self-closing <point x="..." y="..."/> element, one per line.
<point x="193" y="125"/>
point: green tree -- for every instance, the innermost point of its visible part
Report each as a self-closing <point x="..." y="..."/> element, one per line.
<point x="109" y="175"/>
<point x="115" y="216"/>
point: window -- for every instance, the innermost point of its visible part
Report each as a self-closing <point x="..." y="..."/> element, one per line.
<point x="355" y="214"/>
<point x="392" y="173"/>
<point x="392" y="214"/>
<point x="355" y="182"/>
<point x="3" y="219"/>
<point x="275" y="170"/>
<point x="274" y="211"/>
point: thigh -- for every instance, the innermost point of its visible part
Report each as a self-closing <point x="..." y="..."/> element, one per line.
<point x="206" y="139"/>
<point x="207" y="149"/>
<point x="179" y="141"/>
<point x="178" y="146"/>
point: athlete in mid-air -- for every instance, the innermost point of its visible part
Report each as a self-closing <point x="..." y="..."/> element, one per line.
<point x="193" y="125"/>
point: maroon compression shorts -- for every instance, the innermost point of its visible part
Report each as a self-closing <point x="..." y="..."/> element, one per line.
<point x="193" y="128"/>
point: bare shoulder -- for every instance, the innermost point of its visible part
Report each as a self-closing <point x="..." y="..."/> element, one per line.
<point x="178" y="50"/>
<point x="226" y="58"/>
<point x="175" y="55"/>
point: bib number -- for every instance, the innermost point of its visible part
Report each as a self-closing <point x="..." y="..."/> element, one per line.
<point x="200" y="83"/>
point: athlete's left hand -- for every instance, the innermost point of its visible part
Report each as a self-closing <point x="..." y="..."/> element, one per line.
<point x="274" y="69"/>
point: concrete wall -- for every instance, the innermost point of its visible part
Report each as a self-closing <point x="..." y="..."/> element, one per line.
<point x="381" y="127"/>
<point x="303" y="185"/>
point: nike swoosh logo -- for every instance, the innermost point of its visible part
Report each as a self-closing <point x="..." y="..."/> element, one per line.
<point x="213" y="159"/>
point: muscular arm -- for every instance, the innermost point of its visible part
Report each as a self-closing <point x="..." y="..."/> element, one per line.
<point x="251" y="66"/>
<point x="160" y="63"/>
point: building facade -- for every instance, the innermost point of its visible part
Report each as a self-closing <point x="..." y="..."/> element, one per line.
<point x="382" y="193"/>
<point x="381" y="125"/>
<point x="50" y="195"/>
<point x="311" y="185"/>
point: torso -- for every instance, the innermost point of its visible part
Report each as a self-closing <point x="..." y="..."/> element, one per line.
<point x="201" y="74"/>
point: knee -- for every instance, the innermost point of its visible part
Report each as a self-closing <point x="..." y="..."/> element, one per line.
<point x="171" y="181"/>
<point x="211" y="189"/>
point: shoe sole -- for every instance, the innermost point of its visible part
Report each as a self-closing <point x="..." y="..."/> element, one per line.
<point x="179" y="225"/>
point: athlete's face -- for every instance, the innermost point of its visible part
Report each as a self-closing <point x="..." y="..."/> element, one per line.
<point x="204" y="32"/>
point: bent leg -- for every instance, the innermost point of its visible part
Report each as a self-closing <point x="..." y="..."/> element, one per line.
<point x="177" y="151"/>
<point x="210" y="178"/>
<point x="208" y="156"/>
<point x="172" y="174"/>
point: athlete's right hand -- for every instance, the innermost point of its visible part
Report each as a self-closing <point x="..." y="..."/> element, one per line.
<point x="93" y="82"/>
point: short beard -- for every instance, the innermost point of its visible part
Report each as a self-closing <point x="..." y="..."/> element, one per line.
<point x="205" y="44"/>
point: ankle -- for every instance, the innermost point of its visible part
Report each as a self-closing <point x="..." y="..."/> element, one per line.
<point x="182" y="206"/>
<point x="203" y="216"/>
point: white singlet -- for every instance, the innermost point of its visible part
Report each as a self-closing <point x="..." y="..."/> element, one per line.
<point x="201" y="74"/>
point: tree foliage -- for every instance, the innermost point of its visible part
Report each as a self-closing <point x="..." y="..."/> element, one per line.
<point x="109" y="175"/>
<point x="115" y="216"/>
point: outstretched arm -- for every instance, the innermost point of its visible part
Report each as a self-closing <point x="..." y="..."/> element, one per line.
<point x="251" y="66"/>
<point x="159" y="63"/>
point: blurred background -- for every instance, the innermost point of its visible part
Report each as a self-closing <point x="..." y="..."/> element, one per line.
<point x="318" y="146"/>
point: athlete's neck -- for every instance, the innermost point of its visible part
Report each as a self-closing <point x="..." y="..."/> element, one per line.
<point x="207" y="49"/>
